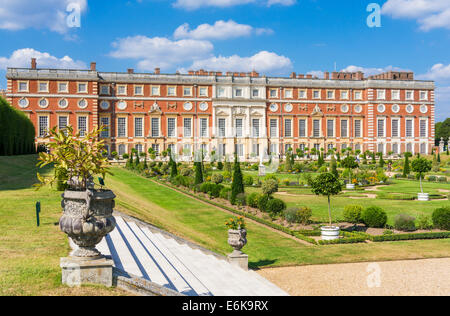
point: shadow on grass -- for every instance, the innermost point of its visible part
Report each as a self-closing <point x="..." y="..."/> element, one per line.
<point x="261" y="263"/>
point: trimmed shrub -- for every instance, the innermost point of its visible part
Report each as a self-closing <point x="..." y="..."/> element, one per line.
<point x="270" y="186"/>
<point x="275" y="206"/>
<point x="262" y="202"/>
<point x="300" y="215"/>
<point x="404" y="222"/>
<point x="374" y="216"/>
<point x="220" y="165"/>
<point x="442" y="179"/>
<point x="432" y="178"/>
<point x="225" y="193"/>
<point x="252" y="199"/>
<point x="423" y="222"/>
<point x="241" y="199"/>
<point x="217" y="178"/>
<point x="441" y="218"/>
<point x="248" y="180"/>
<point x="352" y="213"/>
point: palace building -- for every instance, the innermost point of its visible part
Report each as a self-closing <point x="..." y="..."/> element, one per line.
<point x="230" y="112"/>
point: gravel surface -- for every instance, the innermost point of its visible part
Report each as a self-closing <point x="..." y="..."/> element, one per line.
<point x="395" y="278"/>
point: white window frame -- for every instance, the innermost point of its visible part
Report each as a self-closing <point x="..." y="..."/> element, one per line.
<point x="333" y="94"/>
<point x="300" y="91"/>
<point x="23" y="81"/>
<point x="412" y="95"/>
<point x="381" y="94"/>
<point x="125" y="118"/>
<point x="158" y="130"/>
<point x="190" y="91"/>
<point x="155" y="93"/>
<point x="86" y="84"/>
<point x="276" y="128"/>
<point x="412" y="127"/>
<point x="396" y="98"/>
<point x="105" y="133"/>
<point x="136" y="126"/>
<point x="78" y="125"/>
<point x="102" y="86"/>
<point x="41" y="133"/>
<point x="291" y="128"/>
<point x="125" y="91"/>
<point x="200" y="91"/>
<point x="384" y="127"/>
<point x="398" y="127"/>
<point x="200" y="127"/>
<point x="47" y="84"/>
<point x="174" y="135"/>
<point x="185" y="119"/>
<point x="172" y="94"/>
<point x="346" y="96"/>
<point x="306" y="127"/>
<point x="138" y="86"/>
<point x="426" y="95"/>
<point x="426" y="128"/>
<point x="291" y="91"/>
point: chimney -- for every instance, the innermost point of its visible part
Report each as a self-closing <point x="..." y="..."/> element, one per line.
<point x="130" y="71"/>
<point x="157" y="71"/>
<point x="326" y="75"/>
<point x="33" y="63"/>
<point x="309" y="76"/>
<point x="293" y="75"/>
<point x="334" y="75"/>
<point x="93" y="66"/>
<point x="301" y="76"/>
<point x="191" y="72"/>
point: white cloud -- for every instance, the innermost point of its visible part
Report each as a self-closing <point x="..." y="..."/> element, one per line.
<point x="430" y="14"/>
<point x="264" y="61"/>
<point x="21" y="58"/>
<point x="160" y="52"/>
<point x="197" y="4"/>
<point x="437" y="72"/>
<point x="220" y="30"/>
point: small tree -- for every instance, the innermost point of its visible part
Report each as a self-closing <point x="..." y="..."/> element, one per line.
<point x="406" y="165"/>
<point x="381" y="160"/>
<point x="334" y="167"/>
<point x="173" y="165"/>
<point x="421" y="166"/>
<point x="198" y="172"/>
<point x="237" y="186"/>
<point x="326" y="184"/>
<point x="269" y="187"/>
<point x="350" y="164"/>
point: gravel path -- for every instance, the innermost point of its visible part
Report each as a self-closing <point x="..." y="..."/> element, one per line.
<point x="396" y="278"/>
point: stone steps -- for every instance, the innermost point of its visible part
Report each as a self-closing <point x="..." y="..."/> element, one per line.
<point x="162" y="260"/>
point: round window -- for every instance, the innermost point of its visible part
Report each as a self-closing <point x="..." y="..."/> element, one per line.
<point x="423" y="109"/>
<point x="273" y="107"/>
<point x="395" y="108"/>
<point x="23" y="103"/>
<point x="409" y="108"/>
<point x="344" y="108"/>
<point x="122" y="105"/>
<point x="104" y="105"/>
<point x="358" y="109"/>
<point x="63" y="103"/>
<point x="203" y="106"/>
<point x="187" y="106"/>
<point x="82" y="104"/>
<point x="288" y="107"/>
<point x="43" y="103"/>
<point x="381" y="108"/>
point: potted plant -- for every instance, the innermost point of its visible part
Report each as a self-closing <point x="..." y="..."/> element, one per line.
<point x="421" y="166"/>
<point x="237" y="234"/>
<point x="327" y="184"/>
<point x="350" y="163"/>
<point x="87" y="215"/>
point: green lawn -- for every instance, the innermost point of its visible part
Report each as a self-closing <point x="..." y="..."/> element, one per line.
<point x="30" y="255"/>
<point x="29" y="263"/>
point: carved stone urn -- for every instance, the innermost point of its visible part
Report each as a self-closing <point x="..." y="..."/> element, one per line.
<point x="87" y="219"/>
<point x="237" y="238"/>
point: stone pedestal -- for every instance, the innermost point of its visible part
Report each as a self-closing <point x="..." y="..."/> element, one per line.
<point x="262" y="170"/>
<point x="350" y="186"/>
<point x="423" y="197"/>
<point x="76" y="272"/>
<point x="239" y="259"/>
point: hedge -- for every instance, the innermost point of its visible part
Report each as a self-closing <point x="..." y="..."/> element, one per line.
<point x="412" y="236"/>
<point x="16" y="131"/>
<point x="349" y="240"/>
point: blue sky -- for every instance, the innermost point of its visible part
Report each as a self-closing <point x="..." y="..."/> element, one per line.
<point x="274" y="37"/>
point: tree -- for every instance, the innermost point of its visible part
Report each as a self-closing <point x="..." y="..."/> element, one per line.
<point x="421" y="166"/>
<point x="381" y="160"/>
<point x="269" y="187"/>
<point x="350" y="164"/>
<point x="406" y="166"/>
<point x="442" y="130"/>
<point x="334" y="167"/>
<point x="439" y="157"/>
<point x="198" y="172"/>
<point x="435" y="165"/>
<point x="326" y="184"/>
<point x="172" y="165"/>
<point x="289" y="165"/>
<point x="237" y="187"/>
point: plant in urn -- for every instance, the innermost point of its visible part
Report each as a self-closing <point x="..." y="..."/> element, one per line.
<point x="237" y="235"/>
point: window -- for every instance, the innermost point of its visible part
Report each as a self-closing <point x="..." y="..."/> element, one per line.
<point x="82" y="87"/>
<point x="204" y="149"/>
<point x="302" y="147"/>
<point x="409" y="128"/>
<point x="273" y="128"/>
<point x="330" y="128"/>
<point x="255" y="127"/>
<point x="316" y="128"/>
<point x="288" y="128"/>
<point x="104" y="121"/>
<point x="381" y="148"/>
<point x="358" y="129"/>
<point x="138" y="148"/>
<point x="122" y="149"/>
<point x="381" y="132"/>
<point x="255" y="93"/>
<point x="155" y="148"/>
<point x="203" y="127"/>
<point x="63" y="87"/>
<point x="171" y="91"/>
<point x="155" y="90"/>
<point x="43" y="86"/>
<point x="255" y="149"/>
<point x="381" y="94"/>
<point x="344" y="128"/>
<point x="358" y="95"/>
<point x="43" y="103"/>
<point x="222" y="130"/>
<point x="288" y="93"/>
<point x="104" y="90"/>
<point x="409" y="95"/>
<point x="423" y="148"/>
<point x="423" y="128"/>
<point x="274" y="149"/>
<point x="187" y="150"/>
<point x="121" y="127"/>
<point x="423" y="95"/>
<point x="221" y="92"/>
<point x="171" y="127"/>
<point x="121" y="89"/>
<point x="287" y="147"/>
<point x="239" y="150"/>
<point x="273" y="93"/>
<point x="239" y="127"/>
<point x="23" y="86"/>
<point x="395" y="128"/>
<point x="82" y="125"/>
<point x="62" y="122"/>
<point x="395" y="148"/>
<point x="330" y="94"/>
<point x="187" y="91"/>
<point x="302" y="94"/>
<point x="138" y="127"/>
<point x="409" y="148"/>
<point x="187" y="127"/>
<point x="203" y="92"/>
<point x="302" y="128"/>
<point x="395" y="95"/>
<point x="330" y="147"/>
<point x="222" y="149"/>
<point x="238" y="92"/>
<point x="171" y="148"/>
<point x="155" y="127"/>
<point x="138" y="90"/>
<point x="317" y="147"/>
<point x="316" y="94"/>
<point x="358" y="147"/>
<point x="344" y="95"/>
